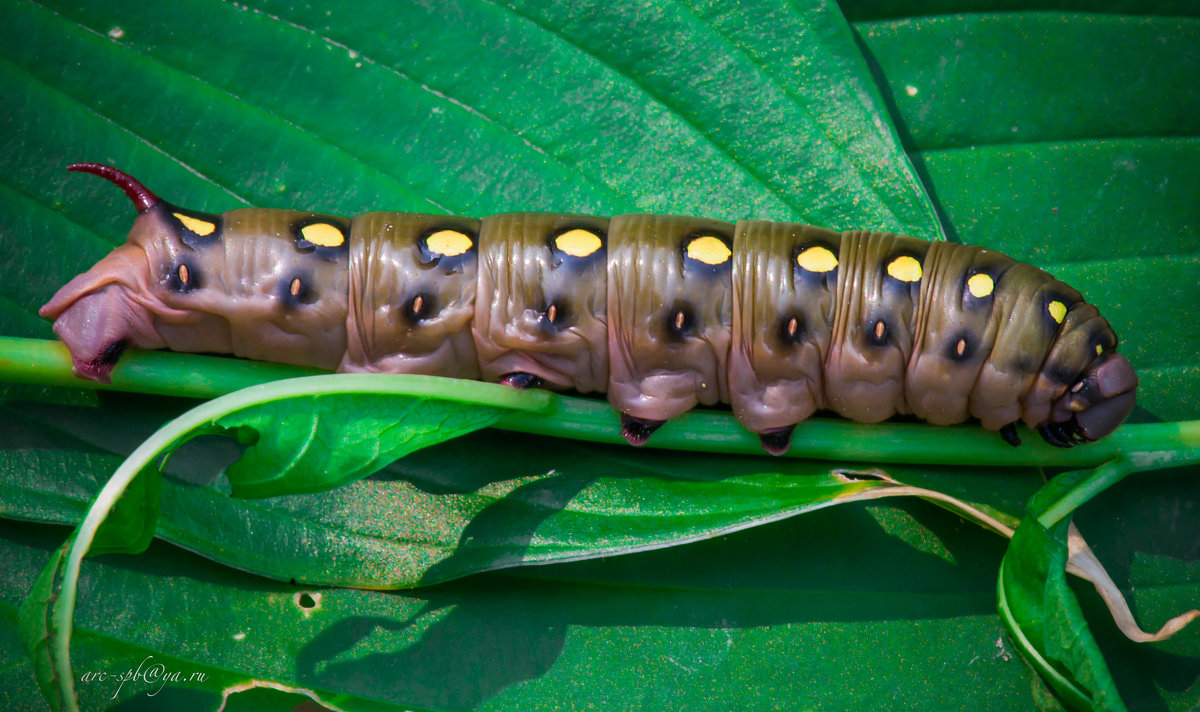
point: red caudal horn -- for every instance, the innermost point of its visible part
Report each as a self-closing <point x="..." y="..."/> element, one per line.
<point x="143" y="199"/>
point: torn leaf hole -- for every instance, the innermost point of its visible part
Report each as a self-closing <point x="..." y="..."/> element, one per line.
<point x="307" y="601"/>
<point x="874" y="475"/>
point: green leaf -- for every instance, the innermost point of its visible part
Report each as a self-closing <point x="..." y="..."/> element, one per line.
<point x="46" y="615"/>
<point x="554" y="500"/>
<point x="1045" y="619"/>
<point x="633" y="515"/>
<point x="533" y="519"/>
<point x="1069" y="140"/>
<point x="860" y="11"/>
<point x="329" y="451"/>
<point x="945" y="104"/>
<point x="129" y="528"/>
<point x="38" y="627"/>
<point x="1037" y="605"/>
<point x="566" y="634"/>
<point x="317" y="433"/>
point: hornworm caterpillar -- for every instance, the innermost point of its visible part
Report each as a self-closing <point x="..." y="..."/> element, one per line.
<point x="662" y="313"/>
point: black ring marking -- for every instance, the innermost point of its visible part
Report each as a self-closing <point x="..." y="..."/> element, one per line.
<point x="111" y="353"/>
<point x="879" y="332"/>
<point x="183" y="278"/>
<point x="960" y="347"/>
<point x="419" y="307"/>
<point x="792" y="329"/>
<point x="680" y="322"/>
<point x="296" y="290"/>
<point x="556" y="315"/>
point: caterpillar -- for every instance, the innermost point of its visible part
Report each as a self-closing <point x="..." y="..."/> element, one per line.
<point x="662" y="313"/>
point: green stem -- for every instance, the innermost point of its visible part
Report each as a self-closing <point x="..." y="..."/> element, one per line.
<point x="48" y="363"/>
<point x="1100" y="479"/>
<point x="1146" y="445"/>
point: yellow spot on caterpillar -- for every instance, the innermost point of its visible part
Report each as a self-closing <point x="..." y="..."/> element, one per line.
<point x="184" y="274"/>
<point x="709" y="250"/>
<point x="980" y="285"/>
<point x="418" y="303"/>
<point x="295" y="287"/>
<point x="203" y="228"/>
<point x="1099" y="349"/>
<point x="578" y="243"/>
<point x="1058" y="311"/>
<point x="817" y="259"/>
<point x="880" y="330"/>
<point x="905" y="268"/>
<point x="961" y="347"/>
<point x="449" y="243"/>
<point x="323" y="235"/>
<point x="679" y="319"/>
<point x="792" y="326"/>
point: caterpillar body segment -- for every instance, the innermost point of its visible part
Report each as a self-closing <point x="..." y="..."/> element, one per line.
<point x="783" y="308"/>
<point x="670" y="314"/>
<point x="412" y="282"/>
<point x="662" y="313"/>
<point x="540" y="311"/>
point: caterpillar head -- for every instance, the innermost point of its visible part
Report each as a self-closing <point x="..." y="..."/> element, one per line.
<point x="1084" y="388"/>
<point x="1095" y="404"/>
<point x="261" y="284"/>
<point x="112" y="306"/>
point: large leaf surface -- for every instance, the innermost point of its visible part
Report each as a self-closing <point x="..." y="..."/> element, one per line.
<point x="658" y="626"/>
<point x="1070" y="141"/>
<point x="435" y="515"/>
<point x="479" y="108"/>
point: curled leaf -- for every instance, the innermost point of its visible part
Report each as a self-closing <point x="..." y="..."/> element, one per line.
<point x="1083" y="563"/>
